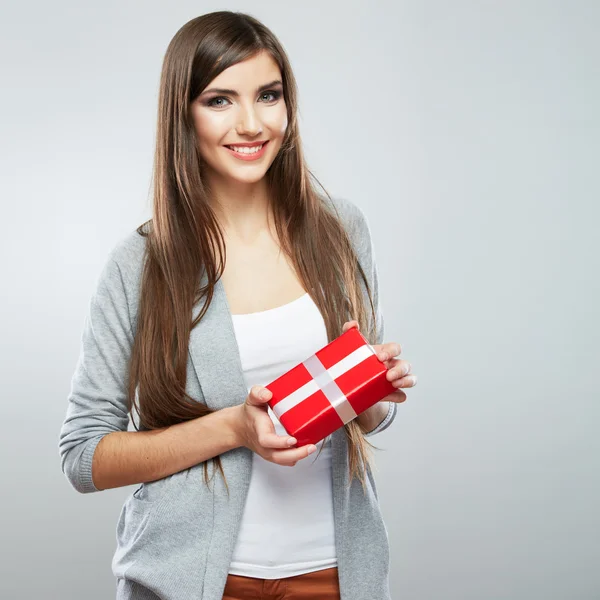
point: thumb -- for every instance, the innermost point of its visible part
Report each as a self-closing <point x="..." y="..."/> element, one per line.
<point x="259" y="395"/>
<point x="350" y="325"/>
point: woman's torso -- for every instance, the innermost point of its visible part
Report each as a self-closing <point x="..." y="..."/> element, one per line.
<point x="287" y="526"/>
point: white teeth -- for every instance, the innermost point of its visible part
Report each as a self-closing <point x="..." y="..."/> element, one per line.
<point x="246" y="150"/>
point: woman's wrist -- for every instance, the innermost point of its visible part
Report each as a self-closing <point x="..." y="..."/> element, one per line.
<point x="234" y="421"/>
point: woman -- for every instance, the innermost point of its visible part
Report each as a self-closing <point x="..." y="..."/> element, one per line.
<point x="269" y="272"/>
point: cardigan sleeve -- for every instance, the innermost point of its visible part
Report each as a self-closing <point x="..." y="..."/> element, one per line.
<point x="97" y="403"/>
<point x="366" y="253"/>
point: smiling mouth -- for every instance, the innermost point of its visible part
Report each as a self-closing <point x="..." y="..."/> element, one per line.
<point x="249" y="150"/>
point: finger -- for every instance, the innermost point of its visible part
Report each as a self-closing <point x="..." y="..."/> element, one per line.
<point x="405" y="382"/>
<point x="289" y="458"/>
<point x="397" y="396"/>
<point x="397" y="369"/>
<point x="264" y="429"/>
<point x="274" y="441"/>
<point x="350" y="325"/>
<point x="391" y="363"/>
<point x="267" y="436"/>
<point x="259" y="395"/>
<point x="387" y="351"/>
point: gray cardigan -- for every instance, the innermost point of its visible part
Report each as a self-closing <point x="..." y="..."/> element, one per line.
<point x="175" y="536"/>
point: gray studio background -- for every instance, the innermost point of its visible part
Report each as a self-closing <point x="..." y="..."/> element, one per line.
<point x="468" y="133"/>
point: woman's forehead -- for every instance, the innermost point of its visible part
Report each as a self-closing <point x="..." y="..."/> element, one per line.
<point x="248" y="74"/>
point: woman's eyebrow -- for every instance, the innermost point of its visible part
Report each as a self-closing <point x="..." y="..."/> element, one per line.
<point x="236" y="94"/>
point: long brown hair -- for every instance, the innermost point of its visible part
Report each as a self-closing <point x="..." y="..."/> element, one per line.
<point x="184" y="237"/>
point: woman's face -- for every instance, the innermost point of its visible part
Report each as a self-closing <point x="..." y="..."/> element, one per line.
<point x="244" y="104"/>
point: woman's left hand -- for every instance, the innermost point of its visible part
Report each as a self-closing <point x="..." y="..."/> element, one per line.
<point x="398" y="370"/>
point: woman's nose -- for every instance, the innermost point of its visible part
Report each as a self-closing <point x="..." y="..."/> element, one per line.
<point x="248" y="123"/>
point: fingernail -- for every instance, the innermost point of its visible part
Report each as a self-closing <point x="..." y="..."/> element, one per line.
<point x="311" y="449"/>
<point x="264" y="394"/>
<point x="384" y="356"/>
<point x="291" y="441"/>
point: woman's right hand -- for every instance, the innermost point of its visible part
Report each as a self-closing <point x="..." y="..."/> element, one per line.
<point x="256" y="431"/>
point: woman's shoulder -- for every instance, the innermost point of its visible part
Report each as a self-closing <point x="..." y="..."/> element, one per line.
<point x="130" y="247"/>
<point x="347" y="209"/>
<point x="126" y="258"/>
<point x="354" y="221"/>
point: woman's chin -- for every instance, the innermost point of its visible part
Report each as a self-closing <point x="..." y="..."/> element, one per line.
<point x="248" y="177"/>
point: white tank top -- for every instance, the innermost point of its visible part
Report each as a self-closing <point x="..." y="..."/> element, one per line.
<point x="287" y="523"/>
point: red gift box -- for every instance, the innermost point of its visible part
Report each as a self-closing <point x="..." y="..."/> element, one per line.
<point x="329" y="388"/>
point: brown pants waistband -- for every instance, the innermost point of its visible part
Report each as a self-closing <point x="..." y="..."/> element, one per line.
<point x="317" y="585"/>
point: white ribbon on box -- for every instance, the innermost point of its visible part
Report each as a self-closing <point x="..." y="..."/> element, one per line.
<point x="324" y="379"/>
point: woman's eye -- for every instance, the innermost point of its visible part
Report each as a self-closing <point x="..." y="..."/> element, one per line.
<point x="210" y="102"/>
<point x="213" y="102"/>
<point x="276" y="95"/>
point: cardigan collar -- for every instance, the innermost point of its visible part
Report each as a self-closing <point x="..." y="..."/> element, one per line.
<point x="215" y="353"/>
